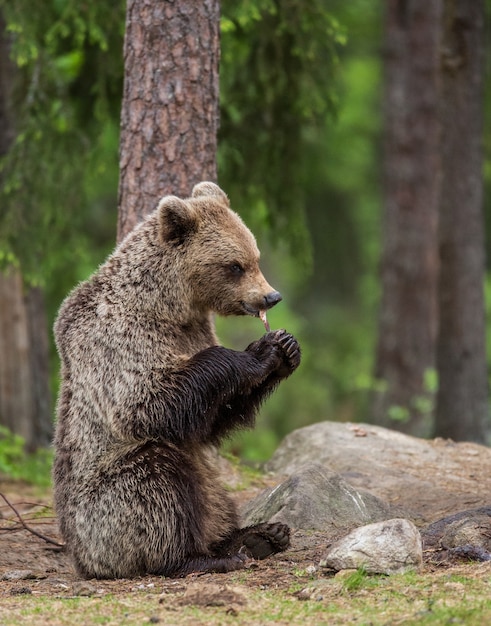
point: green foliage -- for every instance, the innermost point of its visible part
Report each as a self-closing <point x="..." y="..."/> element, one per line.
<point x="332" y="310"/>
<point x="398" y="413"/>
<point x="58" y="195"/>
<point x="422" y="405"/>
<point x="11" y="450"/>
<point x="277" y="67"/>
<point x="16" y="463"/>
<point x="67" y="84"/>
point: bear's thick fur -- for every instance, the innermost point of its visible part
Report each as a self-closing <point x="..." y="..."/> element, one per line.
<point x="147" y="392"/>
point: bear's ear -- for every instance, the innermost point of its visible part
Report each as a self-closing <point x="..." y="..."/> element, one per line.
<point x="177" y="219"/>
<point x="210" y="189"/>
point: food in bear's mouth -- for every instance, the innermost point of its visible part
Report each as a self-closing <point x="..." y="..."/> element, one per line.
<point x="264" y="319"/>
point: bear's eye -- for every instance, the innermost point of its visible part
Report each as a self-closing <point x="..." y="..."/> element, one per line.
<point x="236" y="269"/>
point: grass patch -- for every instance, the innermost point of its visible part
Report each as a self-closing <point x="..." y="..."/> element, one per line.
<point x="436" y="598"/>
<point x="15" y="463"/>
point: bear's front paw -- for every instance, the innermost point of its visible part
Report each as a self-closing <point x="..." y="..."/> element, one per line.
<point x="267" y="354"/>
<point x="290" y="352"/>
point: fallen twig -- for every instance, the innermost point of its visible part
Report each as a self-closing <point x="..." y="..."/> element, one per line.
<point x="28" y="528"/>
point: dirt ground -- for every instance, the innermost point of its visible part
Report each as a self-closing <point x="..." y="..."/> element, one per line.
<point x="29" y="565"/>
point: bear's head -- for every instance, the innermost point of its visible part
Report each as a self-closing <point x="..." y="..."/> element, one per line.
<point x="219" y="252"/>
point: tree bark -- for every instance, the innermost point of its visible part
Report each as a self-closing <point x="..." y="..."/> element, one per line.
<point x="408" y="314"/>
<point x="462" y="400"/>
<point x="169" y="116"/>
<point x="25" y="399"/>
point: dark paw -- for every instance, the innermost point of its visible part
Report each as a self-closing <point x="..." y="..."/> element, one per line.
<point x="267" y="355"/>
<point x="277" y="353"/>
<point x="291" y="350"/>
<point x="235" y="562"/>
<point x="266" y="539"/>
<point x="213" y="564"/>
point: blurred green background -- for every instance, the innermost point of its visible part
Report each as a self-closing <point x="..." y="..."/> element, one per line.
<point x="299" y="155"/>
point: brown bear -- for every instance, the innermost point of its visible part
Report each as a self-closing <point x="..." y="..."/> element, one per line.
<point x="147" y="392"/>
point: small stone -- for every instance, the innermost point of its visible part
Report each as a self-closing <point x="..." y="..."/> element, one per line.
<point x="19" y="574"/>
<point x="389" y="547"/>
<point x="84" y="589"/>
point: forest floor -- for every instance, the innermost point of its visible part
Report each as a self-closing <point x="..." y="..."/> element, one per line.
<point x="38" y="585"/>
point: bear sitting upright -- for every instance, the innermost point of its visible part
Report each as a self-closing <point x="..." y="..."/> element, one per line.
<point x="147" y="393"/>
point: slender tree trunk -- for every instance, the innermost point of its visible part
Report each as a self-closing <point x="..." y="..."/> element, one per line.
<point x="25" y="400"/>
<point x="462" y="401"/>
<point x="407" y="323"/>
<point x="169" y="116"/>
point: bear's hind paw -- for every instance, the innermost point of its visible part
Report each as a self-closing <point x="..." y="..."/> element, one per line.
<point x="265" y="539"/>
<point x="210" y="564"/>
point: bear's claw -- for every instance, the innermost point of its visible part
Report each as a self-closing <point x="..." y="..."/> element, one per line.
<point x="290" y="348"/>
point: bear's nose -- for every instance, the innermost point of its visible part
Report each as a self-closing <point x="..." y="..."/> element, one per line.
<point x="272" y="298"/>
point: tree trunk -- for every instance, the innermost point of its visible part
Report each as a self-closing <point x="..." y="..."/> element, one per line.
<point x="462" y="401"/>
<point x="25" y="400"/>
<point x="169" y="116"/>
<point x="407" y="323"/>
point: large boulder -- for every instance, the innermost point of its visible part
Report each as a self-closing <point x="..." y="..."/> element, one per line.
<point x="426" y="479"/>
<point x="316" y="498"/>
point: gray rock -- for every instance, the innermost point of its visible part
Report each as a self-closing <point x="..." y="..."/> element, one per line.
<point x="389" y="547"/>
<point x="316" y="498"/>
<point x="425" y="479"/>
<point x="470" y="528"/>
<point x="19" y="574"/>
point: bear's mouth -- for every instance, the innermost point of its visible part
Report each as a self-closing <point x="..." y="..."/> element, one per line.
<point x="250" y="310"/>
<point x="261" y="313"/>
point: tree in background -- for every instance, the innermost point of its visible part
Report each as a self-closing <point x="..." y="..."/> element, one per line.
<point x="169" y="116"/>
<point x="278" y="100"/>
<point x="68" y="92"/>
<point x="25" y="399"/>
<point x="277" y="77"/>
<point x="409" y="268"/>
<point x="462" y="410"/>
<point x="55" y="114"/>
<point x="432" y="310"/>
